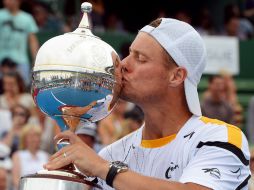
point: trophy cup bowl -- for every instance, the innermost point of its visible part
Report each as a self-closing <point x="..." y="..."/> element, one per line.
<point x="74" y="83"/>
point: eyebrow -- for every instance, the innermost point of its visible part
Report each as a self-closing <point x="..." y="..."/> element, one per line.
<point x="138" y="52"/>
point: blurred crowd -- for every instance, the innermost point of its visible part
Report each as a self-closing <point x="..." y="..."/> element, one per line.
<point x="26" y="134"/>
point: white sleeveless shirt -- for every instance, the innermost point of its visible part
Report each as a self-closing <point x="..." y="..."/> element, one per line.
<point x="30" y="164"/>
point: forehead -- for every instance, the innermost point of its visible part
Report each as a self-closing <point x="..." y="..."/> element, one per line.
<point x="218" y="80"/>
<point x="146" y="44"/>
<point x="9" y="78"/>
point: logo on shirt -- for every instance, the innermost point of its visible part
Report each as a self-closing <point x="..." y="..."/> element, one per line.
<point x="12" y="26"/>
<point x="214" y="172"/>
<point x="172" y="167"/>
<point x="238" y="171"/>
<point x="189" y="135"/>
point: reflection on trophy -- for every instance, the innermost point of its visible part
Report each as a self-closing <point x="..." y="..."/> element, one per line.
<point x="75" y="81"/>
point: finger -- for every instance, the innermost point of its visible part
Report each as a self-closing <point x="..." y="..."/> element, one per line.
<point x="67" y="135"/>
<point x="58" y="159"/>
<point x="61" y="152"/>
<point x="59" y="162"/>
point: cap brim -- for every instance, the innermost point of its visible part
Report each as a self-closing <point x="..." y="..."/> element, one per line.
<point x="192" y="97"/>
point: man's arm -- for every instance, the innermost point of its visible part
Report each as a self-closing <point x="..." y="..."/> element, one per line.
<point x="132" y="180"/>
<point x="91" y="164"/>
<point x="33" y="45"/>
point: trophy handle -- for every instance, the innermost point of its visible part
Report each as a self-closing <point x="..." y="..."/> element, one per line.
<point x="62" y="143"/>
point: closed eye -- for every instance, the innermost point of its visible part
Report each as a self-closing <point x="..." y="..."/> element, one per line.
<point x="139" y="56"/>
<point x="142" y="58"/>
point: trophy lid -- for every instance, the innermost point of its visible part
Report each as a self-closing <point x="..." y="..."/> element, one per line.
<point x="78" y="51"/>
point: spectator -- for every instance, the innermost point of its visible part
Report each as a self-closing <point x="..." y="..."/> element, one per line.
<point x="231" y="97"/>
<point x="115" y="125"/>
<point x="251" y="181"/>
<point x="5" y="167"/>
<point x="249" y="10"/>
<point x="231" y="28"/>
<point x="245" y="29"/>
<point x="184" y="15"/>
<point x="46" y="20"/>
<point x="20" y="116"/>
<point x="7" y="66"/>
<point x="29" y="155"/>
<point x="204" y="23"/>
<point x="88" y="134"/>
<point x="113" y="23"/>
<point x="47" y="125"/>
<point x="250" y="121"/>
<point x="214" y="104"/>
<point x="17" y="29"/>
<point x="14" y="92"/>
<point x="6" y="122"/>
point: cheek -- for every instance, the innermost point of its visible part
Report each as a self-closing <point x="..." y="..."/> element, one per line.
<point x="152" y="81"/>
<point x="153" y="76"/>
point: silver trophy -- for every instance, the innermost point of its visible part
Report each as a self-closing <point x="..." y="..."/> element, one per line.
<point x="74" y="82"/>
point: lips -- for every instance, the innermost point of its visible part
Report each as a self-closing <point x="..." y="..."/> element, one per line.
<point x="124" y="79"/>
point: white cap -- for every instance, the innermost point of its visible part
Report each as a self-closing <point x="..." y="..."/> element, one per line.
<point x="87" y="128"/>
<point x="5" y="161"/>
<point x="186" y="47"/>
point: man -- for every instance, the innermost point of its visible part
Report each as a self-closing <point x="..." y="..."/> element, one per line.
<point x="176" y="148"/>
<point x="17" y="29"/>
<point x="215" y="104"/>
<point x="250" y="121"/>
<point x="7" y="66"/>
<point x="88" y="133"/>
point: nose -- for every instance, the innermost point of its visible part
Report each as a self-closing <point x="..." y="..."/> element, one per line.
<point x="126" y="65"/>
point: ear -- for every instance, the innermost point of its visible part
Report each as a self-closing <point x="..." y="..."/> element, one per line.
<point x="177" y="76"/>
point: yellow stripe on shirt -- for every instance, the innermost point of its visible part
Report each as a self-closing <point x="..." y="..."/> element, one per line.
<point x="234" y="133"/>
<point x="156" y="143"/>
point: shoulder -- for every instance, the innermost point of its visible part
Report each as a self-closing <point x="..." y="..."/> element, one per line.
<point x="217" y="130"/>
<point x="20" y="154"/>
<point x="222" y="137"/>
<point x="27" y="19"/>
<point x="43" y="154"/>
<point x="220" y="156"/>
<point x="3" y="12"/>
<point x="25" y="15"/>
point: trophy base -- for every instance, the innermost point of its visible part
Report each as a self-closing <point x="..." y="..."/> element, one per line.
<point x="55" y="180"/>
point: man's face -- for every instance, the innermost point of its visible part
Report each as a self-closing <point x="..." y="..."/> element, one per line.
<point x="10" y="4"/>
<point x="145" y="74"/>
<point x="217" y="88"/>
<point x="10" y="85"/>
<point x="233" y="26"/>
<point x="19" y="116"/>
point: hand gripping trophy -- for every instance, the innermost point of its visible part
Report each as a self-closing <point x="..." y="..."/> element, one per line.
<point x="76" y="80"/>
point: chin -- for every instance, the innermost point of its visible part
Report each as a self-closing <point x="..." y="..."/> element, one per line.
<point x="129" y="97"/>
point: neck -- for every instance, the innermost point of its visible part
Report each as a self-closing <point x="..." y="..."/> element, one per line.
<point x="14" y="10"/>
<point x="165" y="118"/>
<point x="11" y="94"/>
<point x="217" y="99"/>
<point x="33" y="151"/>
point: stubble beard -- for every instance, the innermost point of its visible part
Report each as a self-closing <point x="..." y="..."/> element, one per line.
<point x="138" y="100"/>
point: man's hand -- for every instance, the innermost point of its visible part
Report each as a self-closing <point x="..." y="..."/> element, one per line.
<point x="78" y="153"/>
